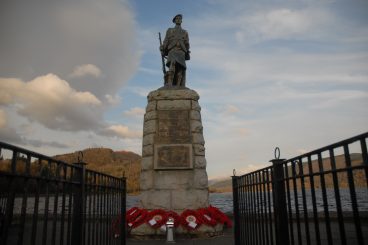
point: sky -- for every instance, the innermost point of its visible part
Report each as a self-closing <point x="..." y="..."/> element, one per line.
<point x="75" y="74"/>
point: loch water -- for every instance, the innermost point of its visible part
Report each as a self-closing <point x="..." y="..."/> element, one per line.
<point x="224" y="201"/>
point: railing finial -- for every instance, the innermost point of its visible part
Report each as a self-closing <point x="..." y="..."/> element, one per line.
<point x="277" y="153"/>
<point x="80" y="157"/>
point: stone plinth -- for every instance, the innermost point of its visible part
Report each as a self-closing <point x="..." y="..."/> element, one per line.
<point x="173" y="175"/>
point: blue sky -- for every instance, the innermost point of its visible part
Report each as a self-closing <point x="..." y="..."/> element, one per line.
<point x="292" y="74"/>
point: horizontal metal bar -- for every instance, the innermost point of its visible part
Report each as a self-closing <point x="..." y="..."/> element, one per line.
<point x="49" y="178"/>
<point x="332" y="146"/>
<point x="269" y="168"/>
<point x="89" y="171"/>
<point x="328" y="172"/>
<point x="35" y="177"/>
<point x="34" y="154"/>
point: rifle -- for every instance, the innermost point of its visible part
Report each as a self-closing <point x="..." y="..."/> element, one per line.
<point x="162" y="55"/>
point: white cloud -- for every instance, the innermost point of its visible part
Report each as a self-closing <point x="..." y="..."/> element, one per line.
<point x="287" y="23"/>
<point x="51" y="101"/>
<point x="123" y="132"/>
<point x="292" y="72"/>
<point x="135" y="112"/>
<point x="85" y="70"/>
<point x="231" y="109"/>
<point x="84" y="38"/>
<point x="113" y="99"/>
<point x="250" y="23"/>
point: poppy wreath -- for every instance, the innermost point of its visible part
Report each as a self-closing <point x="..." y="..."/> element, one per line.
<point x="207" y="217"/>
<point x="132" y="214"/>
<point x="175" y="216"/>
<point x="137" y="217"/>
<point x="157" y="218"/>
<point x="219" y="216"/>
<point x="190" y="219"/>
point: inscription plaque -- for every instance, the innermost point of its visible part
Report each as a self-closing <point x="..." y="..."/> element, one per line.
<point x="175" y="156"/>
<point x="173" y="127"/>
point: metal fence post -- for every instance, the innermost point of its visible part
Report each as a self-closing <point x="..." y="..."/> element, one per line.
<point x="123" y="212"/>
<point x="8" y="215"/>
<point x="79" y="205"/>
<point x="236" y="209"/>
<point x="279" y="203"/>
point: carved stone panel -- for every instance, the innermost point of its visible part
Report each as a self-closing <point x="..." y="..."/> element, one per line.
<point x="173" y="127"/>
<point x="174" y="156"/>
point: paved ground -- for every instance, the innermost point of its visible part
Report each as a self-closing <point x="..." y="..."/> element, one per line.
<point x="226" y="239"/>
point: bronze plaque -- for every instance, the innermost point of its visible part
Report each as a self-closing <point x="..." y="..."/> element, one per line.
<point x="173" y="127"/>
<point x="176" y="156"/>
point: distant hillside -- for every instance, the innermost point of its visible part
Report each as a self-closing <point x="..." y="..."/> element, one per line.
<point x="119" y="163"/>
<point x="225" y="185"/>
<point x="358" y="175"/>
<point x="220" y="186"/>
<point x="115" y="163"/>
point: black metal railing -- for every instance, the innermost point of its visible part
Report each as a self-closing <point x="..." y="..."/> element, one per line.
<point x="47" y="201"/>
<point x="320" y="197"/>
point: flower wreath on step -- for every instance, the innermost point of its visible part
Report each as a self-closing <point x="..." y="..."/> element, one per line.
<point x="157" y="218"/>
<point x="132" y="214"/>
<point x="207" y="217"/>
<point x="135" y="217"/>
<point x="220" y="216"/>
<point x="190" y="219"/>
<point x="175" y="217"/>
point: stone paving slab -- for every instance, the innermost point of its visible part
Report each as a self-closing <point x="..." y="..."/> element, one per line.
<point x="226" y="239"/>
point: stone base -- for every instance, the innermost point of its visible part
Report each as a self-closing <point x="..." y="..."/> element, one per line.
<point x="203" y="231"/>
<point x="176" y="200"/>
<point x="173" y="170"/>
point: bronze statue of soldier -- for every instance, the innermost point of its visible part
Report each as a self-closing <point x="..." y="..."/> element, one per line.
<point x="176" y="50"/>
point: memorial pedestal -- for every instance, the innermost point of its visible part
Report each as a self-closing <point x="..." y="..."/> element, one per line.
<point x="173" y="170"/>
<point x="173" y="175"/>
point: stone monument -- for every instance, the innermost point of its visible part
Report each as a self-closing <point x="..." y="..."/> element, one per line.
<point x="173" y="170"/>
<point x="173" y="175"/>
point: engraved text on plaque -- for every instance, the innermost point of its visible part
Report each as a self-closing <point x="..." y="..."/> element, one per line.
<point x="175" y="156"/>
<point x="173" y="127"/>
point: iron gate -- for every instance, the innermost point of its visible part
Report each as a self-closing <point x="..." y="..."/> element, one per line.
<point x="46" y="201"/>
<point x="320" y="197"/>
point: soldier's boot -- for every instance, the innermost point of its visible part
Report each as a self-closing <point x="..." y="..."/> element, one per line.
<point x="179" y="77"/>
<point x="171" y="74"/>
<point x="169" y="77"/>
<point x="183" y="80"/>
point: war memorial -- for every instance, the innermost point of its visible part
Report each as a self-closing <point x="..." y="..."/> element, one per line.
<point x="173" y="176"/>
<point x="319" y="197"/>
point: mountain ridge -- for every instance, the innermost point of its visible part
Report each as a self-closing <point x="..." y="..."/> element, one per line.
<point x="225" y="185"/>
<point x="116" y="163"/>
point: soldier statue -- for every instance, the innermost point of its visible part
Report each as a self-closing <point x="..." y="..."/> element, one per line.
<point x="175" y="49"/>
